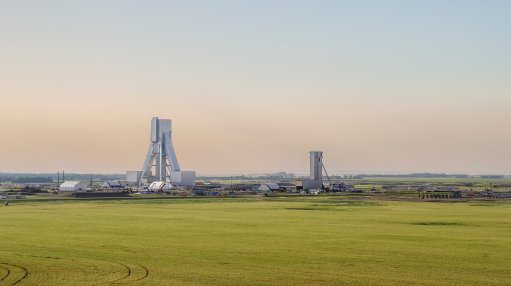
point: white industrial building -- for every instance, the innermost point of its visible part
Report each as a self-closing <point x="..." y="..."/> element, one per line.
<point x="73" y="186"/>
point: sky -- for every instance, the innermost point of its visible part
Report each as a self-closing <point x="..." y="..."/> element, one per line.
<point x="253" y="86"/>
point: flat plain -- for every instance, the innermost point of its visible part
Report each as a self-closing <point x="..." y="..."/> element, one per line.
<point x="321" y="240"/>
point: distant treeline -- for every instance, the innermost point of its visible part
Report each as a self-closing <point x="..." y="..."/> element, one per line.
<point x="242" y="178"/>
<point x="418" y="175"/>
<point x="273" y="177"/>
<point x="492" y="177"/>
<point x="225" y="177"/>
<point x="25" y="178"/>
<point x="49" y="178"/>
<point x="87" y="177"/>
<point x="432" y="175"/>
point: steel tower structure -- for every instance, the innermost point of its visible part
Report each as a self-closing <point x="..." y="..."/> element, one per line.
<point x="161" y="154"/>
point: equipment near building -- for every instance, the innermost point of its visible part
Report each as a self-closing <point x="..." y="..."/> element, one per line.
<point x="112" y="185"/>
<point x="161" y="158"/>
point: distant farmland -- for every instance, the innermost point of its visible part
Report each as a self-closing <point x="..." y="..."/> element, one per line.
<point x="255" y="241"/>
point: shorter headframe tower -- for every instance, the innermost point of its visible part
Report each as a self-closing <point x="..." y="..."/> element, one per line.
<point x="316" y="168"/>
<point x="315" y="181"/>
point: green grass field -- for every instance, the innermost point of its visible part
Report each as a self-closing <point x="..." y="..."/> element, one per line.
<point x="255" y="241"/>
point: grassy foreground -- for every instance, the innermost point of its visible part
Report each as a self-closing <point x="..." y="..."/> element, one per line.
<point x="263" y="241"/>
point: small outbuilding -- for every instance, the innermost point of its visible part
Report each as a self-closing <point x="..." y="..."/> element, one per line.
<point x="73" y="186"/>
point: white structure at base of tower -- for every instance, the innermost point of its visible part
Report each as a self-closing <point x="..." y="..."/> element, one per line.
<point x="161" y="162"/>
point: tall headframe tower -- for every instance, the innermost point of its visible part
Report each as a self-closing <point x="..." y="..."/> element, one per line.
<point x="161" y="162"/>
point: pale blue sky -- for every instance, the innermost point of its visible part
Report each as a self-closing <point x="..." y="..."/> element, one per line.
<point x="380" y="86"/>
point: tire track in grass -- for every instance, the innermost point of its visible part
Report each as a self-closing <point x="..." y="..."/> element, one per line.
<point x="122" y="278"/>
<point x="24" y="276"/>
<point x="133" y="273"/>
<point x="11" y="268"/>
<point x="144" y="276"/>
<point x="8" y="272"/>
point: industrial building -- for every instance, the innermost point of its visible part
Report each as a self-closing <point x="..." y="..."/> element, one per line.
<point x="133" y="177"/>
<point x="73" y="186"/>
<point x="161" y="163"/>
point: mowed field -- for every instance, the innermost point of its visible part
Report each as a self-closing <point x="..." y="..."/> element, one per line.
<point x="255" y="241"/>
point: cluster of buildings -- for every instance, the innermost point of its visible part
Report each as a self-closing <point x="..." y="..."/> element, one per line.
<point x="161" y="171"/>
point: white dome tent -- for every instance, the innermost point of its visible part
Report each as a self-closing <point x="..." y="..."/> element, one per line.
<point x="160" y="187"/>
<point x="73" y="186"/>
<point x="269" y="187"/>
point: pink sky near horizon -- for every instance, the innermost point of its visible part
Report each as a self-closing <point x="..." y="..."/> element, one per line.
<point x="259" y="137"/>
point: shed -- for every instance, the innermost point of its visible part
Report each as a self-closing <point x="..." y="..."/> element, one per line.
<point x="73" y="186"/>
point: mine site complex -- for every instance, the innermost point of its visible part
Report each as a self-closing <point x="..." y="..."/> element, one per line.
<point x="255" y="143"/>
<point x="161" y="175"/>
